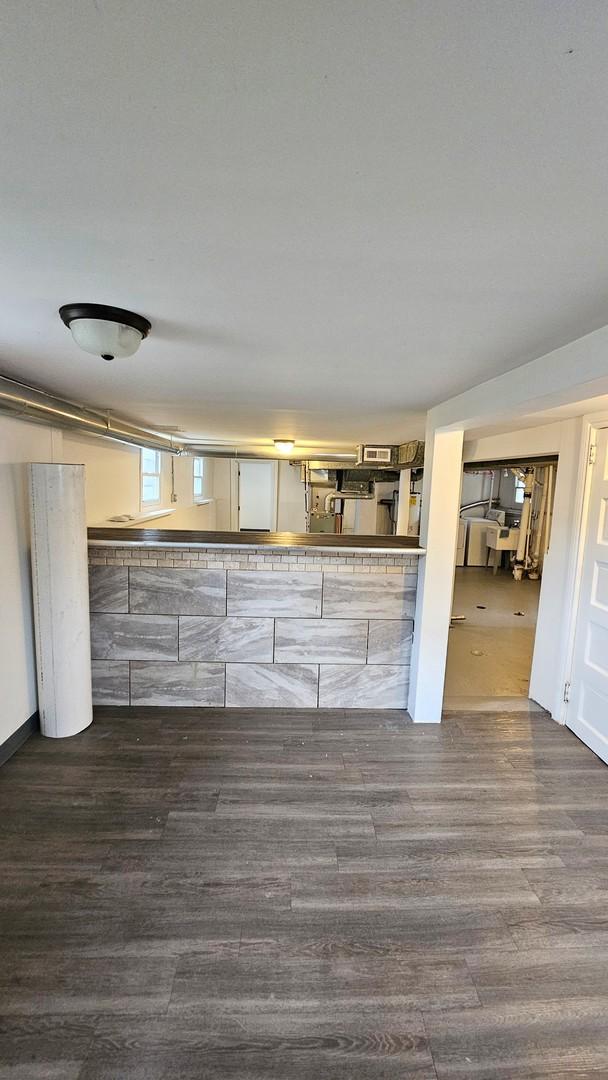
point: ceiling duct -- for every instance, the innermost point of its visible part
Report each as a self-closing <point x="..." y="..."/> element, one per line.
<point x="408" y="455"/>
<point x="36" y="406"/>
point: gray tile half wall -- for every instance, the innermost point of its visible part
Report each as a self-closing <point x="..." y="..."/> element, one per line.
<point x="273" y="593"/>
<point x="214" y="636"/>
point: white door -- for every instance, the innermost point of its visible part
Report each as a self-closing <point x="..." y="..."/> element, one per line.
<point x="587" y="713"/>
<point x="257" y="508"/>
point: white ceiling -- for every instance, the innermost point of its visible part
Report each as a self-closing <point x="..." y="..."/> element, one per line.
<point x="334" y="214"/>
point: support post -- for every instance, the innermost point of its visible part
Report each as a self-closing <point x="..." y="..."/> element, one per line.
<point x="61" y="598"/>
<point x="439" y="534"/>
<point x="403" y="510"/>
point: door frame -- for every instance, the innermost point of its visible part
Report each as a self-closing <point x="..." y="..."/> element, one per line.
<point x="592" y="423"/>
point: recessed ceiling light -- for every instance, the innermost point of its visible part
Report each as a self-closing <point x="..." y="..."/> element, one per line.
<point x="284" y="446"/>
<point x="104" y="331"/>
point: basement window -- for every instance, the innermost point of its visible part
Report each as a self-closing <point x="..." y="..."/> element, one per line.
<point x="198" y="478"/>
<point x="150" y="477"/>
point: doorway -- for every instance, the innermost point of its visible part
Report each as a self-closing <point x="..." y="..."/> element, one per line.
<point x="504" y="535"/>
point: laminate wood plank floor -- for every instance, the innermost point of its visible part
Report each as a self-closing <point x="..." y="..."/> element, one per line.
<point x="304" y="895"/>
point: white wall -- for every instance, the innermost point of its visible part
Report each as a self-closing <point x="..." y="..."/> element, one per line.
<point x="111" y="475"/>
<point x="20" y="443"/>
<point x="475" y="487"/>
<point x="113" y="483"/>
<point x="291" y="516"/>
<point x="221" y="493"/>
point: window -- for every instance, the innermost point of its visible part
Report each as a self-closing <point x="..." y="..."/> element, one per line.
<point x="198" y="478"/>
<point x="150" y="477"/>
<point x="519" y="490"/>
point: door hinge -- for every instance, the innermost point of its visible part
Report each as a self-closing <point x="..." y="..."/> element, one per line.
<point x="592" y="454"/>
<point x="567" y="692"/>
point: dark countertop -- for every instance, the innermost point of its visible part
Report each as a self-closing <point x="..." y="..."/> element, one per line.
<point x="191" y="538"/>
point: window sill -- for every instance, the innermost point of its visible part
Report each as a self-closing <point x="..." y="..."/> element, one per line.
<point x="203" y="502"/>
<point x="127" y="521"/>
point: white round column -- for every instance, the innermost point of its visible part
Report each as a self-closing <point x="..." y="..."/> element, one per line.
<point x="60" y="586"/>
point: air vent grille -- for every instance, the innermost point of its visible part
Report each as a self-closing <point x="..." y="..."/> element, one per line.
<point x="374" y="455"/>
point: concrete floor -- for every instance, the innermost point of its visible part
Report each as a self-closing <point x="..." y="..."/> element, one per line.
<point x="490" y="655"/>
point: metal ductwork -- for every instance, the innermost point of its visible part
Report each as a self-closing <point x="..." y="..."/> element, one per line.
<point x="331" y="461"/>
<point x="409" y="455"/>
<point x="36" y="406"/>
<point x="333" y="496"/>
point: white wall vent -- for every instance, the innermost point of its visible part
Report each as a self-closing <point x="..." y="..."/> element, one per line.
<point x="374" y="455"/>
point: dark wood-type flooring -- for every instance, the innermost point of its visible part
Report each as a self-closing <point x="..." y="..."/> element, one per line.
<point x="286" y="895"/>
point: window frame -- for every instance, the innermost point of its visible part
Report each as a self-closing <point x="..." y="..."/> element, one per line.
<point x="143" y="473"/>
<point x="198" y="497"/>
<point x="520" y="486"/>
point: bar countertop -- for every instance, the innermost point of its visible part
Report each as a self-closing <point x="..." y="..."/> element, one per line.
<point x="105" y="537"/>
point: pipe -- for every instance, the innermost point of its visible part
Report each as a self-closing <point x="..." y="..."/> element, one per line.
<point x="331" y="461"/>
<point x="36" y="406"/>
<point x="539" y="527"/>
<point x="521" y="555"/>
<point x="333" y="495"/>
<point x="547" y="530"/>
<point x="479" y="502"/>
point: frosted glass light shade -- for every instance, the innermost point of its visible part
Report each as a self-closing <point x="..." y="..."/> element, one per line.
<point x="103" y="338"/>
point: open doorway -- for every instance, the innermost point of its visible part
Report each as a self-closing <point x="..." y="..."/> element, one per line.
<point x="504" y="535"/>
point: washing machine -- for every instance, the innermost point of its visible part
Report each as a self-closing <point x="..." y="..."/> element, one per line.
<point x="477" y="548"/>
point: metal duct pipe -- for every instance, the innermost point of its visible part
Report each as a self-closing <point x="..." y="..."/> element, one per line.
<point x="36" y="406"/>
<point x="332" y="461"/>
<point x="333" y="495"/>
<point x="479" y="502"/>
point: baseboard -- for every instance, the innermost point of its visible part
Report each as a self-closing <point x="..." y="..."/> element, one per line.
<point x="17" y="739"/>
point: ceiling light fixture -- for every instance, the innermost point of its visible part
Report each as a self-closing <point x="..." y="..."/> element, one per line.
<point x="104" y="331"/>
<point x="284" y="446"/>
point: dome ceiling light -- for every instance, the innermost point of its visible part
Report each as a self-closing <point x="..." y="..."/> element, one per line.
<point x="284" y="446"/>
<point x="108" y="332"/>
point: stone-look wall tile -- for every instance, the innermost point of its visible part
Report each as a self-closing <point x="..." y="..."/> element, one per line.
<point x="110" y="682"/>
<point x="226" y="639"/>
<point x="133" y="637"/>
<point x="320" y="641"/>
<point x="274" y="593"/>
<point x="367" y="596"/>
<point x="272" y="686"/>
<point x="177" y="684"/>
<point x="177" y="591"/>
<point x="369" y="687"/>
<point x="390" y="641"/>
<point x="109" y="588"/>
